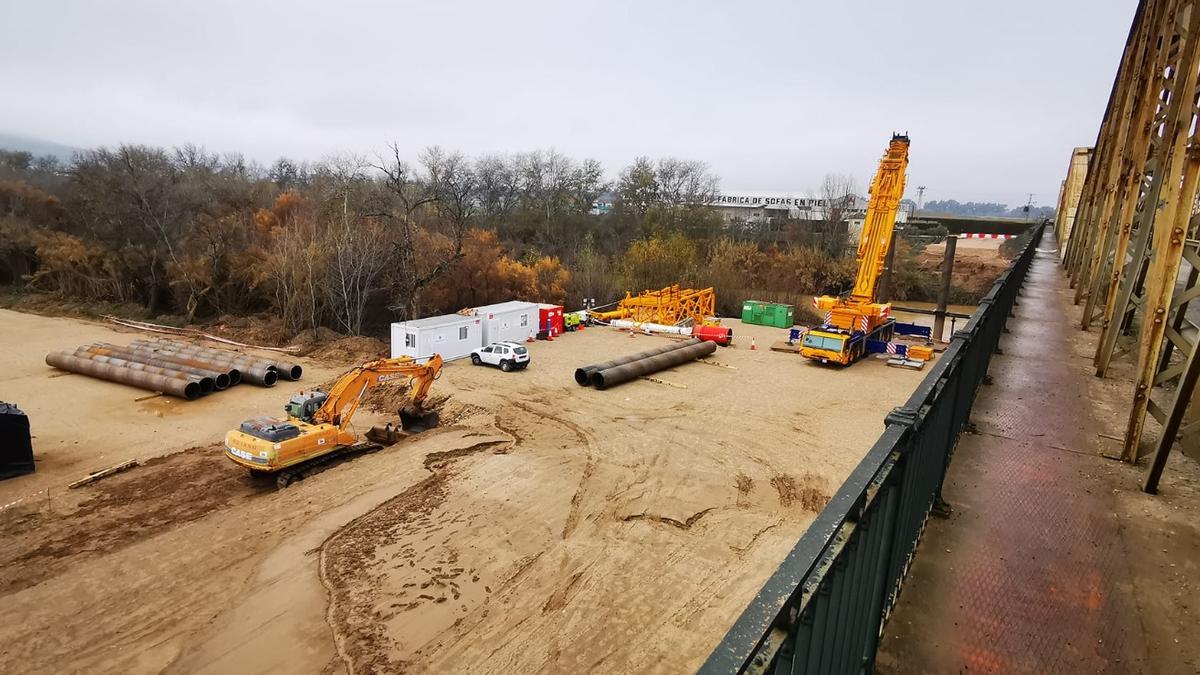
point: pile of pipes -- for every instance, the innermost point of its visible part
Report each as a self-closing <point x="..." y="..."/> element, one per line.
<point x="609" y="373"/>
<point x="174" y="368"/>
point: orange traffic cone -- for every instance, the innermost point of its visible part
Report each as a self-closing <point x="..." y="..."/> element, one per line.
<point x="631" y="331"/>
<point x="753" y="347"/>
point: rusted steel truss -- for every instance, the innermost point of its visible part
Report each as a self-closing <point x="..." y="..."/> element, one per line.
<point x="1131" y="256"/>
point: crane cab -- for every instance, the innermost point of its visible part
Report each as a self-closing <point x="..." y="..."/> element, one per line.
<point x="826" y="346"/>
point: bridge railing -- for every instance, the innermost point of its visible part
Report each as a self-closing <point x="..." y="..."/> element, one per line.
<point x="824" y="608"/>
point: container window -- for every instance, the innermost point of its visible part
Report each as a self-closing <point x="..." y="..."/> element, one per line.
<point x="410" y="340"/>
<point x="524" y="319"/>
<point x="462" y="332"/>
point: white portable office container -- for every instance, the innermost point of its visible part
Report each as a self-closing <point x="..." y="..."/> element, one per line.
<point x="452" y="335"/>
<point x="508" y="321"/>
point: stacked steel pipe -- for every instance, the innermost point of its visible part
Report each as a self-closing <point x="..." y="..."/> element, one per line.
<point x="173" y="368"/>
<point x="609" y="373"/>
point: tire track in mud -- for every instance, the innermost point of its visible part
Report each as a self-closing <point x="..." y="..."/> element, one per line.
<point x="346" y="556"/>
<point x="667" y="520"/>
<point x="589" y="467"/>
<point x="159" y="495"/>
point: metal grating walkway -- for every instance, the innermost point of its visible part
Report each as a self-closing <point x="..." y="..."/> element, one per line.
<point x="1029" y="574"/>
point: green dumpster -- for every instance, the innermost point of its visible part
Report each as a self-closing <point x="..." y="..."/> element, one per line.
<point x="774" y="314"/>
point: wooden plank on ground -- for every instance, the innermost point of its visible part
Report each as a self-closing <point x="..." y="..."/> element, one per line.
<point x="103" y="473"/>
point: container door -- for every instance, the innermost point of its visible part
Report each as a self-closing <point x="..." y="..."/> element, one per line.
<point x="777" y="316"/>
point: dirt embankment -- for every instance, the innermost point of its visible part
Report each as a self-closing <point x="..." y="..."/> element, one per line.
<point x="162" y="494"/>
<point x="976" y="267"/>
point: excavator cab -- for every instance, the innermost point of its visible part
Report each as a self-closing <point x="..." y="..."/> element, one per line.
<point x="304" y="405"/>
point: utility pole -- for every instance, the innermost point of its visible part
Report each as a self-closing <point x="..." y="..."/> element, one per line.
<point x="920" y="196"/>
<point x="1029" y="206"/>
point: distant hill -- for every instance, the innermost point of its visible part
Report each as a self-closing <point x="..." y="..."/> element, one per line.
<point x="36" y="146"/>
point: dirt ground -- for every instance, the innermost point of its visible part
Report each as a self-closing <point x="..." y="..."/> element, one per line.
<point x="543" y="527"/>
<point x="977" y="263"/>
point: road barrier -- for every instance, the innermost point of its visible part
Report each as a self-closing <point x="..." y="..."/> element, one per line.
<point x="824" y="609"/>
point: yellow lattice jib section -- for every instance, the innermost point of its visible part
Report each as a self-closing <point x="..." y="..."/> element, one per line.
<point x="669" y="306"/>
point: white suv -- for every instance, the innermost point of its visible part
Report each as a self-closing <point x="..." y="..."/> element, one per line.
<point x="507" y="355"/>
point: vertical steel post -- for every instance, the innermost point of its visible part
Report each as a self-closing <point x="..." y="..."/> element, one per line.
<point x="1175" y="88"/>
<point x="1181" y="173"/>
<point x="939" y="320"/>
<point x="1137" y="155"/>
<point x="1088" y="216"/>
<point x="1179" y="405"/>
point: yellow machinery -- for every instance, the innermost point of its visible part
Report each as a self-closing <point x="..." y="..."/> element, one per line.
<point x="668" y="306"/>
<point x="854" y="318"/>
<point x="317" y="429"/>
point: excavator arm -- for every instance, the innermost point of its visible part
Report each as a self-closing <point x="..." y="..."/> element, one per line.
<point x="347" y="393"/>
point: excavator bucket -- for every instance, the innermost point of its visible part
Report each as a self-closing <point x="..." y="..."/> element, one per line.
<point x="385" y="435"/>
<point x="415" y="420"/>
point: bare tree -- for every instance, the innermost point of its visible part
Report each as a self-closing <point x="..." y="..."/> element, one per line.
<point x="685" y="182"/>
<point x="443" y="197"/>
<point x="638" y="186"/>
<point x="837" y="203"/>
<point x="355" y="241"/>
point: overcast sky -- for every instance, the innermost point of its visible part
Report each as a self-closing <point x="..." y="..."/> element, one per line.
<point x="772" y="95"/>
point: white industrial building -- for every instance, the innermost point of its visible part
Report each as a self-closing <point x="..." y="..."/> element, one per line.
<point x="452" y="335"/>
<point x="764" y="208"/>
<point x="513" y="321"/>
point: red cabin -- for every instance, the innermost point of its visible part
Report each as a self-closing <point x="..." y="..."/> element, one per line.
<point x="550" y="320"/>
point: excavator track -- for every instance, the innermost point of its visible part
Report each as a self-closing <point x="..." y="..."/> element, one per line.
<point x="303" y="470"/>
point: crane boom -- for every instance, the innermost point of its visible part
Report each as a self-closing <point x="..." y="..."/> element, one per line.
<point x="887" y="189"/>
<point x="854" y="318"/>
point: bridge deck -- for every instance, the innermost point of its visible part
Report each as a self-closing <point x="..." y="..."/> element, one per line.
<point x="1033" y="572"/>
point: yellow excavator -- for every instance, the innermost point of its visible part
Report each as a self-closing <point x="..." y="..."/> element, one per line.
<point x="317" y="429"/>
<point x="854" y="318"/>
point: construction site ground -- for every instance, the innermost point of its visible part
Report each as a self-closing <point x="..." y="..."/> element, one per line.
<point x="543" y="527"/>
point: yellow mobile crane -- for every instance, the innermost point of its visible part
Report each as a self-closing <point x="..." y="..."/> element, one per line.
<point x="317" y="429"/>
<point x="854" y="318"/>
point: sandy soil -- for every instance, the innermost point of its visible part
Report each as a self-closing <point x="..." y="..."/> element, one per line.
<point x="544" y="526"/>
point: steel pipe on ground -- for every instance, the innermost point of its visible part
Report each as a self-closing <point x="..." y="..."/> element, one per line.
<point x="583" y="376"/>
<point x="220" y="379"/>
<point x="286" y="369"/>
<point x="171" y="386"/>
<point x="252" y="370"/>
<point x="207" y="384"/>
<point x="651" y="327"/>
<point x="235" y="375"/>
<point x="608" y="377"/>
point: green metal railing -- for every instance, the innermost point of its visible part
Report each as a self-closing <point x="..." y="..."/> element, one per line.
<point x="824" y="609"/>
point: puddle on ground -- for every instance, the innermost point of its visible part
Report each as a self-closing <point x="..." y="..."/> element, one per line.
<point x="161" y="406"/>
